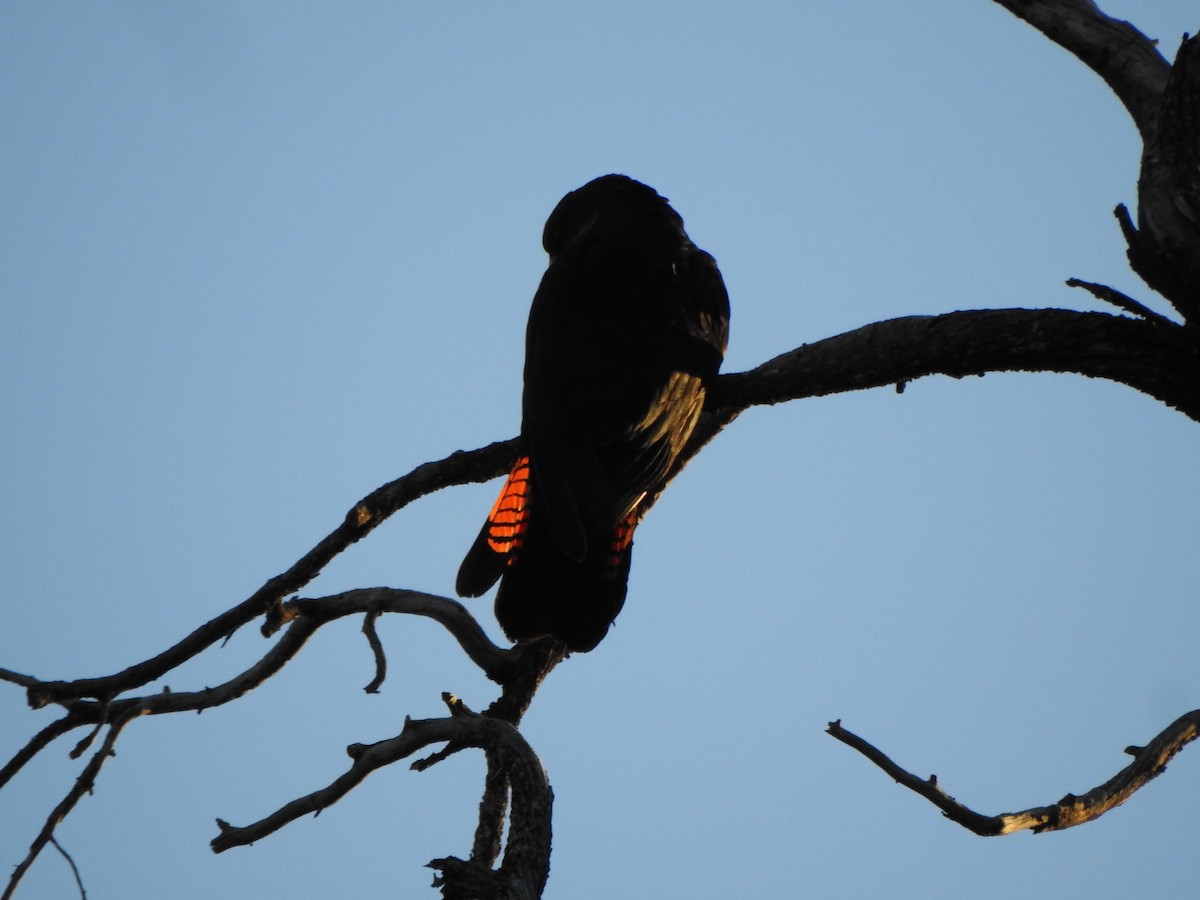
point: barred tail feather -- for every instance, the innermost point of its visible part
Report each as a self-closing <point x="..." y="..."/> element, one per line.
<point x="501" y="537"/>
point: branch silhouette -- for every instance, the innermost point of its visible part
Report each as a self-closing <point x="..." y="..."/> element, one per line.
<point x="1149" y="762"/>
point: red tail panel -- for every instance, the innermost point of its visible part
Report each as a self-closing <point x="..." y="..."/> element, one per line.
<point x="509" y="519"/>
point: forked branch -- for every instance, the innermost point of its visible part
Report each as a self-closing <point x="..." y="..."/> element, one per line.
<point x="527" y="855"/>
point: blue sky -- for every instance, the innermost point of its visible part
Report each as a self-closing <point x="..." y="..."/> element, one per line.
<point x="258" y="259"/>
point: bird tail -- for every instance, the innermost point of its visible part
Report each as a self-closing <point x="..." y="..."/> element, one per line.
<point x="501" y="537"/>
<point x="545" y="592"/>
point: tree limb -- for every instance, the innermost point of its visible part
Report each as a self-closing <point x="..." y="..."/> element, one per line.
<point x="496" y="662"/>
<point x="1127" y="60"/>
<point x="83" y="785"/>
<point x="527" y="856"/>
<point x="1165" y="249"/>
<point x="460" y="467"/>
<point x="1071" y="810"/>
<point x="1164" y="101"/>
<point x="1154" y="358"/>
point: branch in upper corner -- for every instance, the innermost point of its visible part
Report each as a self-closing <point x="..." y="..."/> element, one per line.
<point x="1166" y="253"/>
<point x="1127" y="60"/>
<point x="1071" y="810"/>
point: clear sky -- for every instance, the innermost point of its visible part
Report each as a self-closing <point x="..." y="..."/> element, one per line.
<point x="257" y="259"/>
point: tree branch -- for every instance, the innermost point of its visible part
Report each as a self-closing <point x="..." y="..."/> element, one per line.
<point x="83" y="785"/>
<point x="1155" y="359"/>
<point x="527" y="856"/>
<point x="1164" y="101"/>
<point x="1151" y="355"/>
<point x="1126" y="59"/>
<point x="460" y="467"/>
<point x="496" y="662"/>
<point x="1149" y="762"/>
<point x="36" y="744"/>
<point x="1165" y="250"/>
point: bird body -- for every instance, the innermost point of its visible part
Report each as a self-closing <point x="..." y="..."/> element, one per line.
<point x="629" y="323"/>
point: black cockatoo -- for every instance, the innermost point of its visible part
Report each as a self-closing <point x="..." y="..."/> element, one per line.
<point x="628" y="325"/>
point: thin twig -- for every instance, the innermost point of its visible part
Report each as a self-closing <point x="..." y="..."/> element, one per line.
<point x="368" y="629"/>
<point x="1106" y="294"/>
<point x="74" y="868"/>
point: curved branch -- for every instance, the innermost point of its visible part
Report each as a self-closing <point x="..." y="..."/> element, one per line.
<point x="1149" y="762"/>
<point x="496" y="662"/>
<point x="37" y="743"/>
<point x="1151" y="357"/>
<point x="1126" y="59"/>
<point x="307" y="617"/>
<point x="460" y="467"/>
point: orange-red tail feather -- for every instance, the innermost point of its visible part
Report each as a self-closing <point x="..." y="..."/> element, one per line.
<point x="501" y="537"/>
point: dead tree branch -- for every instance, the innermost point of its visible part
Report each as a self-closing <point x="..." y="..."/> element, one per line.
<point x="461" y="467"/>
<point x="1149" y="762"/>
<point x="1154" y="358"/>
<point x="527" y="857"/>
<point x="1127" y="60"/>
<point x="1164" y="102"/>
<point x="83" y="785"/>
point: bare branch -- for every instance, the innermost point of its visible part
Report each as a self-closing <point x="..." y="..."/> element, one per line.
<point x="497" y="663"/>
<point x="1126" y="59"/>
<point x="83" y="785"/>
<point x="1071" y="810"/>
<point x="25" y="681"/>
<point x="38" y="743"/>
<point x="493" y="809"/>
<point x="1163" y="100"/>
<point x="74" y="868"/>
<point x="1106" y="294"/>
<point x="1165" y="250"/>
<point x="1151" y="356"/>
<point x="527" y="857"/>
<point x="900" y="350"/>
<point x="1157" y="361"/>
<point x="461" y="467"/>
